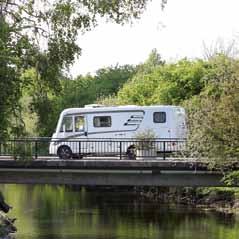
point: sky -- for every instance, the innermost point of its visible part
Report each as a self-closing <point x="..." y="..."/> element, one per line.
<point x="179" y="31"/>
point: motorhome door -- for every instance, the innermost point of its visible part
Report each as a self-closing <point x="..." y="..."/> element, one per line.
<point x="81" y="132"/>
<point x="81" y="128"/>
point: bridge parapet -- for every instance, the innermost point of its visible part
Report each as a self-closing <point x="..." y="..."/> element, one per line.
<point x="109" y="173"/>
<point x="95" y="163"/>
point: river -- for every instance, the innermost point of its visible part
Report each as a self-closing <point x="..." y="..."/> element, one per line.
<point x="59" y="212"/>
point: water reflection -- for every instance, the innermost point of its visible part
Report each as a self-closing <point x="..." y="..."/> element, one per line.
<point x="61" y="212"/>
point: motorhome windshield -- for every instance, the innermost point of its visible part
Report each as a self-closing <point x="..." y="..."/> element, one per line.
<point x="67" y="124"/>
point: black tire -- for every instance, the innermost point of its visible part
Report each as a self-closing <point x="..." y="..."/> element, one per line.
<point x="131" y="152"/>
<point x="64" y="152"/>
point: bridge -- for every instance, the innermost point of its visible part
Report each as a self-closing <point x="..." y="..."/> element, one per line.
<point x="106" y="162"/>
<point x="110" y="172"/>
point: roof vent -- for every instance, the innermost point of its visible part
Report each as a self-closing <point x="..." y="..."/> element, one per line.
<point x="94" y="106"/>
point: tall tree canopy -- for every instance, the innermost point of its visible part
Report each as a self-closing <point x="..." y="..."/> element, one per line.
<point x="164" y="83"/>
<point x="42" y="35"/>
<point x="55" y="24"/>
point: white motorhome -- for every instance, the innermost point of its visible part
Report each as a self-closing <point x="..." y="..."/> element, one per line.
<point x="113" y="123"/>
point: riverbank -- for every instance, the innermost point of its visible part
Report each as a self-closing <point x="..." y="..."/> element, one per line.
<point x="223" y="199"/>
<point x="6" y="227"/>
<point x="220" y="199"/>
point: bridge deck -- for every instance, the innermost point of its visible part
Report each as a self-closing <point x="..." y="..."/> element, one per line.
<point x="108" y="172"/>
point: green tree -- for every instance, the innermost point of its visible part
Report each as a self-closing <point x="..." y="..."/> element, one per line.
<point x="213" y="115"/>
<point x="110" y="79"/>
<point x="42" y="35"/>
<point x="9" y="81"/>
<point x="165" y="83"/>
<point x="154" y="59"/>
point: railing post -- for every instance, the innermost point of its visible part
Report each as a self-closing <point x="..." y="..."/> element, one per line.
<point x="164" y="148"/>
<point x="13" y="147"/>
<point x="120" y="150"/>
<point x="79" y="148"/>
<point x="36" y="149"/>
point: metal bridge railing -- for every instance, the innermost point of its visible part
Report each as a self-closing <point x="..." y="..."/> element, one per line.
<point x="33" y="148"/>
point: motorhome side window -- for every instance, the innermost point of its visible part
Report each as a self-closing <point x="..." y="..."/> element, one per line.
<point x="102" y="121"/>
<point x="67" y="124"/>
<point x="79" y="123"/>
<point x="159" y="117"/>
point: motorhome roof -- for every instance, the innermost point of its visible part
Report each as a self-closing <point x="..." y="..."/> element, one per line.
<point x="115" y="108"/>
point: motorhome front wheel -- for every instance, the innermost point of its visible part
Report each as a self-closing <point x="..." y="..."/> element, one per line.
<point x="64" y="152"/>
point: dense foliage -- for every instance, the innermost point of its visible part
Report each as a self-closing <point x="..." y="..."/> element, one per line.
<point x="208" y="89"/>
<point x="213" y="115"/>
<point x="40" y="37"/>
<point x="166" y="84"/>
